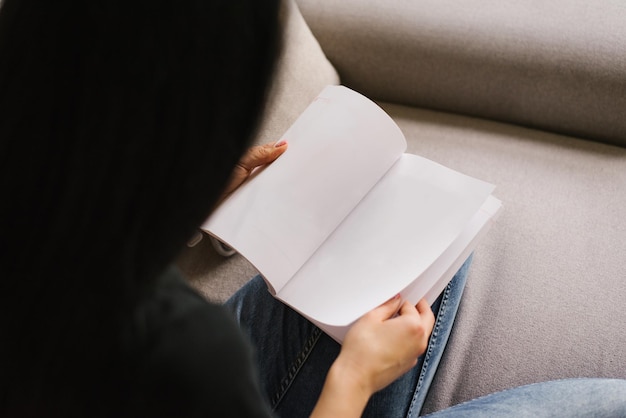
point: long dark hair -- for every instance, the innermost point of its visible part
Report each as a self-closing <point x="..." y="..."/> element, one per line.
<point x="120" y="122"/>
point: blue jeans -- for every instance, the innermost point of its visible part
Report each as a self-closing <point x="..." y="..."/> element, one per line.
<point x="294" y="355"/>
<point x="571" y="398"/>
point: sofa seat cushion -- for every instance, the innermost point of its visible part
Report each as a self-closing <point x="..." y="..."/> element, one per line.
<point x="545" y="295"/>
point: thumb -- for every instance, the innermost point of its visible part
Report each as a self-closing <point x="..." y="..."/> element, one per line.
<point x="387" y="309"/>
<point x="262" y="154"/>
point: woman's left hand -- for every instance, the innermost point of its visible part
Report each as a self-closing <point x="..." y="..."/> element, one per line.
<point x="255" y="157"/>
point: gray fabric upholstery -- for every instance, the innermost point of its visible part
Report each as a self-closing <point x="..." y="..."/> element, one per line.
<point x="545" y="296"/>
<point x="557" y="65"/>
<point x="301" y="73"/>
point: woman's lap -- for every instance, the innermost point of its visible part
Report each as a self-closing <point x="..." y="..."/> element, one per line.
<point x="293" y="355"/>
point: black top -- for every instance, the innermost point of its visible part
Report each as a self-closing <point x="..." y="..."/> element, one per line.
<point x="191" y="358"/>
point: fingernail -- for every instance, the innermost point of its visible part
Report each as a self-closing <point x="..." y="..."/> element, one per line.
<point x="280" y="143"/>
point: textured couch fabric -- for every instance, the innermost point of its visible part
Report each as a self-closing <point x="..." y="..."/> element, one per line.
<point x="545" y="296"/>
<point x="557" y="65"/>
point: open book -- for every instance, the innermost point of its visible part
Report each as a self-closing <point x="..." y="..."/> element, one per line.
<point x="344" y="219"/>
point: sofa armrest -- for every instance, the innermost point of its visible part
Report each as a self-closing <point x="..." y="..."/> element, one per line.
<point x="559" y="65"/>
<point x="301" y="72"/>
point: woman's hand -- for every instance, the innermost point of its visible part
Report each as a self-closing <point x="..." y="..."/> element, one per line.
<point x="378" y="349"/>
<point x="255" y="157"/>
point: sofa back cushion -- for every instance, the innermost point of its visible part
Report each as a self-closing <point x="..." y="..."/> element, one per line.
<point x="557" y="65"/>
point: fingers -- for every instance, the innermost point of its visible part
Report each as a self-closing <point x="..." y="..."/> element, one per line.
<point x="262" y="154"/>
<point x="426" y="313"/>
<point x="253" y="158"/>
<point x="423" y="307"/>
<point x="396" y="305"/>
<point x="420" y="316"/>
<point x="387" y="309"/>
<point x="381" y="346"/>
<point x="423" y="310"/>
<point x="408" y="309"/>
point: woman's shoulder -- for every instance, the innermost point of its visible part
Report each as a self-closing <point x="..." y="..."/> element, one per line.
<point x="192" y="354"/>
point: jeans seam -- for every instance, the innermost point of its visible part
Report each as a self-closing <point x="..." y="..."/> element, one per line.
<point x="295" y="367"/>
<point x="429" y="349"/>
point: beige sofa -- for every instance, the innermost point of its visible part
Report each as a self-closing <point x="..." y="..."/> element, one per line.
<point x="530" y="96"/>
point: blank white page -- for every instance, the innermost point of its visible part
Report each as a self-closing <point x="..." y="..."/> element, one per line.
<point x="402" y="226"/>
<point x="338" y="149"/>
<point x="433" y="281"/>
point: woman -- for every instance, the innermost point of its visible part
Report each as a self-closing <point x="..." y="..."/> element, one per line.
<point x="121" y="123"/>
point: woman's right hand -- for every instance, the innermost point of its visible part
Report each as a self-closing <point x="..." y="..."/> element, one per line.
<point x="379" y="348"/>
